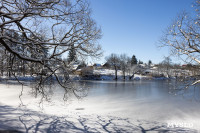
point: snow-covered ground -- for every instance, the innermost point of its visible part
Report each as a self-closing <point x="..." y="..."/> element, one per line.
<point x="109" y="74"/>
<point x="87" y="115"/>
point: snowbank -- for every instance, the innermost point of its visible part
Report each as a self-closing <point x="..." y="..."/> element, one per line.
<point x="24" y="120"/>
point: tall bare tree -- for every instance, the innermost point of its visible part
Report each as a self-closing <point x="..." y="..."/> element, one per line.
<point x="124" y="60"/>
<point x="167" y="66"/>
<point x="53" y="25"/>
<point x="114" y="61"/>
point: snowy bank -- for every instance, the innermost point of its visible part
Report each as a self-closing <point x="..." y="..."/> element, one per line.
<point x="23" y="120"/>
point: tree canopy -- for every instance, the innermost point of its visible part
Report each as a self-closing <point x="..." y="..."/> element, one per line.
<point x="29" y="29"/>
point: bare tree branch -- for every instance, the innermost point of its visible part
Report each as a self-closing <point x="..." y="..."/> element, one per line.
<point x="39" y="32"/>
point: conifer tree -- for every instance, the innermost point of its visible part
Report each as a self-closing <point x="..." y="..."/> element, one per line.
<point x="133" y="60"/>
<point x="72" y="55"/>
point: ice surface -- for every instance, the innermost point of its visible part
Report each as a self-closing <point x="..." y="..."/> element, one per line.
<point x="110" y="106"/>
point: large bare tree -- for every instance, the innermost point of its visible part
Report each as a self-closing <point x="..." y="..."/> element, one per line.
<point x="114" y="61"/>
<point x="45" y="30"/>
<point x="183" y="36"/>
<point x="124" y="60"/>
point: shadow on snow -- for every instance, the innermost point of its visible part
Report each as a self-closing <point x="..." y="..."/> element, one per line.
<point x="19" y="120"/>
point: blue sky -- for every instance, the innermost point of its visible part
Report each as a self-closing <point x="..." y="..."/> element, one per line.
<point x="135" y="26"/>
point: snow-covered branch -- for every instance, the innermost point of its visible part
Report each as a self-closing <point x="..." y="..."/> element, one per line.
<point x="39" y="32"/>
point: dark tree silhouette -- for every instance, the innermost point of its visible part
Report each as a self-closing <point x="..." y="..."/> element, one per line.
<point x="133" y="60"/>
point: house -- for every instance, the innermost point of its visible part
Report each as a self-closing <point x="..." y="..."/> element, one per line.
<point x="87" y="71"/>
<point x="106" y="65"/>
<point x="74" y="66"/>
<point x="78" y="72"/>
<point x="147" y="71"/>
<point x="97" y="66"/>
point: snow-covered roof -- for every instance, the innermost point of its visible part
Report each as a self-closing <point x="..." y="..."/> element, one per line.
<point x="74" y="66"/>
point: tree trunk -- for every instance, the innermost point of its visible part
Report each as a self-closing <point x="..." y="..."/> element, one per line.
<point x="115" y="73"/>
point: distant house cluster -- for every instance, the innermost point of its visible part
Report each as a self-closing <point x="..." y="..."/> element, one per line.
<point x="153" y="70"/>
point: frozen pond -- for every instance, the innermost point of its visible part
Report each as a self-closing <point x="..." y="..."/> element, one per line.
<point x="148" y="100"/>
<point x="136" y="100"/>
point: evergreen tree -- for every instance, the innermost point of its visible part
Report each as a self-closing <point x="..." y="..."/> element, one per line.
<point x="72" y="55"/>
<point x="149" y="63"/>
<point x="133" y="60"/>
